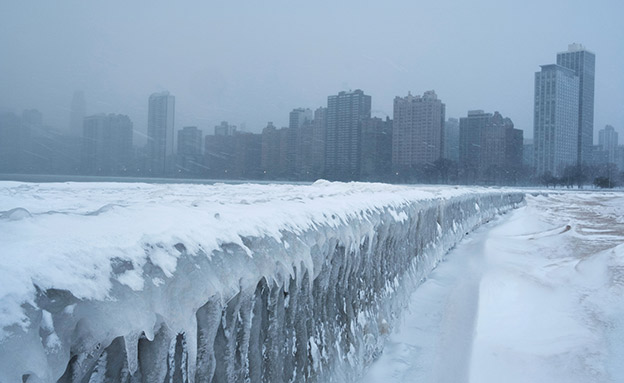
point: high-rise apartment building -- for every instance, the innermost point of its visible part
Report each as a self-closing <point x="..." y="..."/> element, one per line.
<point x="310" y="152"/>
<point x="224" y="129"/>
<point x="555" y="124"/>
<point x="219" y="151"/>
<point x="417" y="130"/>
<point x="107" y="144"/>
<point x="160" y="138"/>
<point x="451" y="139"/>
<point x="298" y="117"/>
<point x="583" y="63"/>
<point x="189" y="153"/>
<point x="270" y="152"/>
<point x="528" y="153"/>
<point x="608" y="142"/>
<point x="471" y="130"/>
<point x="376" y="149"/>
<point x="345" y="113"/>
<point x="490" y="148"/>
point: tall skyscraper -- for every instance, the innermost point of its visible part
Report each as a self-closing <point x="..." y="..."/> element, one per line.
<point x="345" y="113"/>
<point x="555" y="124"/>
<point x="417" y="129"/>
<point x="583" y="63"/>
<point x="107" y="144"/>
<point x="160" y="137"/>
<point x="77" y="113"/>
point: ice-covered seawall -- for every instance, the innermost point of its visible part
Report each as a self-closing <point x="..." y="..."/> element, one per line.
<point x="222" y="283"/>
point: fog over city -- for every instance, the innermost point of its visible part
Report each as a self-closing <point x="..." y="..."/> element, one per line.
<point x="250" y="63"/>
<point x="310" y="192"/>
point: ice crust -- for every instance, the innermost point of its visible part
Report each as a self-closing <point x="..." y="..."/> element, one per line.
<point x="216" y="283"/>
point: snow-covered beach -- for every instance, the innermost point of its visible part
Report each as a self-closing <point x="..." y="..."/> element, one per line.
<point x="306" y="283"/>
<point x="536" y="295"/>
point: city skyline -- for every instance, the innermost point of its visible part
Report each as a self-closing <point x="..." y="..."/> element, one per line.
<point x="219" y="71"/>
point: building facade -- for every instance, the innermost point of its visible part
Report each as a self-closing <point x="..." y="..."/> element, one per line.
<point x="608" y="142"/>
<point x="376" y="162"/>
<point x="490" y="149"/>
<point x="417" y="131"/>
<point x="107" y="145"/>
<point x="298" y="117"/>
<point x="160" y="135"/>
<point x="451" y="139"/>
<point x="583" y="63"/>
<point x="189" y="153"/>
<point x="270" y="155"/>
<point x="555" y="124"/>
<point x="345" y="113"/>
<point x="224" y="129"/>
<point x="219" y="151"/>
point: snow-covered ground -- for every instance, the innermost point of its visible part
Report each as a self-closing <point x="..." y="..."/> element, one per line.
<point x="219" y="282"/>
<point x="535" y="296"/>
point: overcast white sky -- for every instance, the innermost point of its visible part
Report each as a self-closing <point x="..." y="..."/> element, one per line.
<point x="252" y="62"/>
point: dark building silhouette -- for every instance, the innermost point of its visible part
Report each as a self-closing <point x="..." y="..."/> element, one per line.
<point x="490" y="148"/>
<point x="345" y="113"/>
<point x="270" y="152"/>
<point x="376" y="152"/>
<point x="219" y="151"/>
<point x="451" y="139"/>
<point x="247" y="156"/>
<point x="189" y="153"/>
<point x="310" y="151"/>
<point x="224" y="129"/>
<point x="298" y="117"/>
<point x="528" y="155"/>
<point x="107" y="145"/>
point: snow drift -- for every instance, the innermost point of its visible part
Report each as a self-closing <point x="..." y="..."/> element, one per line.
<point x="220" y="283"/>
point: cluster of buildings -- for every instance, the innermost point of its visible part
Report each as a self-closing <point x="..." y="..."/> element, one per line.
<point x="339" y="141"/>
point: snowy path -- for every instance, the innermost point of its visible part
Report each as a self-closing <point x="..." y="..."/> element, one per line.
<point x="536" y="296"/>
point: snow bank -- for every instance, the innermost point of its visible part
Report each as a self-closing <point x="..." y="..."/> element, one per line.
<point x="536" y="295"/>
<point x="216" y="283"/>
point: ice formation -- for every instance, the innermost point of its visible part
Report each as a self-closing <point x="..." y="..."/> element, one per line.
<point x="216" y="283"/>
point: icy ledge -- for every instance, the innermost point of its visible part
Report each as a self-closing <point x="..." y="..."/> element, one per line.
<point x="223" y="283"/>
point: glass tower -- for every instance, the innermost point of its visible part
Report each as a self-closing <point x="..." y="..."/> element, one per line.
<point x="583" y="63"/>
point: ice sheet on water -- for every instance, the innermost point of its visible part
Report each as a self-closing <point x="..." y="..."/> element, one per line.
<point x="231" y="281"/>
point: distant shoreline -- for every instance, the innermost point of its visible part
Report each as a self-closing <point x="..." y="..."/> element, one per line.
<point x="152" y="180"/>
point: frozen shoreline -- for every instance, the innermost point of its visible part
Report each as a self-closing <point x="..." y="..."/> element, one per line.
<point x="549" y="282"/>
<point x="204" y="261"/>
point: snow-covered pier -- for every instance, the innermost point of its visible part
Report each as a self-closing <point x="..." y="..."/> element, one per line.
<point x="216" y="283"/>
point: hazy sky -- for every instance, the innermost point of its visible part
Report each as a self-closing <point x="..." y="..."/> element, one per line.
<point x="252" y="62"/>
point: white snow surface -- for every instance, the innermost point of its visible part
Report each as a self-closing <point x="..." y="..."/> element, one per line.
<point x="120" y="242"/>
<point x="535" y="296"/>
